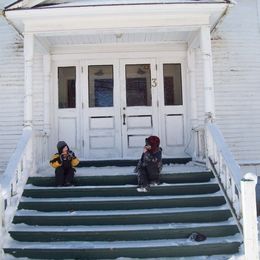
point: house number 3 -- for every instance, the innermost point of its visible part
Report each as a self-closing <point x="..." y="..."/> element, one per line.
<point x="154" y="82"/>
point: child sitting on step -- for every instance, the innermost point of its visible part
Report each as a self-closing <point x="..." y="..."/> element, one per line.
<point x="64" y="162"/>
<point x="150" y="164"/>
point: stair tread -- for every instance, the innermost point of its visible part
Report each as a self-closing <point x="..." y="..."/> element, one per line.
<point x="125" y="198"/>
<point x="121" y="244"/>
<point x="25" y="212"/>
<point x="31" y="186"/>
<point x="85" y="228"/>
<point x="113" y="220"/>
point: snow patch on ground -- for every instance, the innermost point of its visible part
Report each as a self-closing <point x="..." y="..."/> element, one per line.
<point x="115" y="170"/>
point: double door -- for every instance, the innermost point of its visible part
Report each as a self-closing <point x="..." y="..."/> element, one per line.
<point x="113" y="105"/>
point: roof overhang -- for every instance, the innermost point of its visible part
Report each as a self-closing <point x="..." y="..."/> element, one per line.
<point x="111" y="19"/>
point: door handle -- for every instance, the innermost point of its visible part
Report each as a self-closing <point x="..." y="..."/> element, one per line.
<point x="124" y="116"/>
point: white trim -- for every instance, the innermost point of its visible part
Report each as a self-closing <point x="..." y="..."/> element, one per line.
<point x="109" y="50"/>
<point x="258" y="11"/>
<point x="31" y="3"/>
<point x="59" y="20"/>
<point x="46" y="92"/>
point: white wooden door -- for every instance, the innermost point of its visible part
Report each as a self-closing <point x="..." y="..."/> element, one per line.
<point x="101" y="109"/>
<point x="139" y="104"/>
<point x="172" y="118"/>
<point x="67" y="104"/>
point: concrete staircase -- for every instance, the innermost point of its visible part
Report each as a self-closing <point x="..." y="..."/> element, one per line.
<point x="104" y="217"/>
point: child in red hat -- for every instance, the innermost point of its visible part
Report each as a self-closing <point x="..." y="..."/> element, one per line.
<point x="150" y="164"/>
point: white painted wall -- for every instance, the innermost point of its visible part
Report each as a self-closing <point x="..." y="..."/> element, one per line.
<point x="236" y="65"/>
<point x="11" y="90"/>
<point x="236" y="59"/>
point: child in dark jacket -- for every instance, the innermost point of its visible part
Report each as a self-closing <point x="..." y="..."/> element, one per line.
<point x="150" y="164"/>
<point x="64" y="162"/>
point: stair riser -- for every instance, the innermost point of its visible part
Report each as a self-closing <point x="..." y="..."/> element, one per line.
<point x="121" y="191"/>
<point x="124" y="179"/>
<point x="123" y="235"/>
<point x="173" y="251"/>
<point x="179" y="217"/>
<point x="122" y="205"/>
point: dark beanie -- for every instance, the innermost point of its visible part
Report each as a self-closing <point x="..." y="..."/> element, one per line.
<point x="60" y="146"/>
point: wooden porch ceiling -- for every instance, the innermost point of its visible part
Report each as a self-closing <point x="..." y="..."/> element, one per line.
<point x="119" y="37"/>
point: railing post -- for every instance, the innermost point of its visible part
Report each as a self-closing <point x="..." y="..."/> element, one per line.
<point x="248" y="184"/>
<point x="2" y="217"/>
<point x="209" y="147"/>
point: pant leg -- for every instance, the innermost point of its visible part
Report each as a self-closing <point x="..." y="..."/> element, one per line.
<point x="59" y="176"/>
<point x="154" y="177"/>
<point x="153" y="173"/>
<point x="69" y="175"/>
<point x="142" y="177"/>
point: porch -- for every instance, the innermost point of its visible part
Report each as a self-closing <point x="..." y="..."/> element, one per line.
<point x="123" y="51"/>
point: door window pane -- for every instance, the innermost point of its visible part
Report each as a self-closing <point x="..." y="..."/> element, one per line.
<point x="67" y="87"/>
<point x="172" y="84"/>
<point x="138" y="85"/>
<point x="101" y="85"/>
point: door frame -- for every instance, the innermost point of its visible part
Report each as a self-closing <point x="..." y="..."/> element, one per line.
<point x="168" y="55"/>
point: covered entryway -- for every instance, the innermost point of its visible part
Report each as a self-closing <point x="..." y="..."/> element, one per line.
<point x="113" y="74"/>
<point x="115" y="104"/>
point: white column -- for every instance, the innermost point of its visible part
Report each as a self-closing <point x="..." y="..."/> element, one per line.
<point x="205" y="45"/>
<point x="250" y="231"/>
<point x="28" y="71"/>
<point x="46" y="78"/>
<point x="28" y="87"/>
<point x="192" y="86"/>
<point x="193" y="101"/>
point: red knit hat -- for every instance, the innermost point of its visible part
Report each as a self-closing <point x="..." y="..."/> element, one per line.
<point x="154" y="142"/>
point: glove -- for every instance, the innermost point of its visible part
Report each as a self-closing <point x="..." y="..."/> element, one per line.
<point x="71" y="155"/>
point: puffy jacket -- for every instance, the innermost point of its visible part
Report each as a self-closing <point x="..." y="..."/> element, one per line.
<point x="58" y="159"/>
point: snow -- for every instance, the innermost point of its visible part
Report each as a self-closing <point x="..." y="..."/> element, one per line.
<point x="174" y="169"/>
<point x="120" y="244"/>
<point x="114" y="170"/>
<point x="25" y="227"/>
<point x="25" y="212"/>
<point x="125" y="198"/>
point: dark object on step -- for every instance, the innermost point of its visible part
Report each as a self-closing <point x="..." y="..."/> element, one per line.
<point x="198" y="237"/>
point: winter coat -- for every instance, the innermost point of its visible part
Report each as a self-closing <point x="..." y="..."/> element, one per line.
<point x="59" y="160"/>
<point x="152" y="161"/>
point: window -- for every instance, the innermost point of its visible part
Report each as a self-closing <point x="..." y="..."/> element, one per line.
<point x="172" y="84"/>
<point x="101" y="85"/>
<point x="67" y="87"/>
<point x="138" y="85"/>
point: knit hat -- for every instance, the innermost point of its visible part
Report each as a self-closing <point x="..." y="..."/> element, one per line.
<point x="60" y="146"/>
